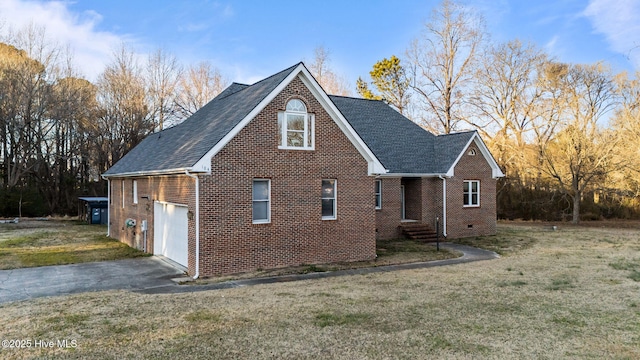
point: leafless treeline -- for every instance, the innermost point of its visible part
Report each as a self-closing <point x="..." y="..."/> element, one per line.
<point x="59" y="131"/>
<point x="566" y="135"/>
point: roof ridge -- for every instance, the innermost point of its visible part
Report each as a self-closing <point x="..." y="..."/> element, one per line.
<point x="459" y="133"/>
<point x="354" y="98"/>
<point x="276" y="74"/>
<point x="229" y="90"/>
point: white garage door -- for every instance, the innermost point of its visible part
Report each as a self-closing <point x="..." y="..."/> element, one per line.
<point x="170" y="232"/>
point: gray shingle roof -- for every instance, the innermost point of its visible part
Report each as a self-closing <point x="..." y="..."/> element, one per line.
<point x="401" y="145"/>
<point x="183" y="145"/>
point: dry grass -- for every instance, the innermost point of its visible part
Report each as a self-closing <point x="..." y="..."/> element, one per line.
<point x="571" y="294"/>
<point x="42" y="243"/>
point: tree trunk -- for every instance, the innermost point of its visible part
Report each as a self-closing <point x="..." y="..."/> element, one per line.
<point x="576" y="208"/>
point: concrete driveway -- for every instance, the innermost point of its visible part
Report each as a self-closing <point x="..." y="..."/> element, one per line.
<point x="130" y="274"/>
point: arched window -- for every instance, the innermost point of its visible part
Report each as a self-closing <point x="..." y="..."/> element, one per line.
<point x="296" y="126"/>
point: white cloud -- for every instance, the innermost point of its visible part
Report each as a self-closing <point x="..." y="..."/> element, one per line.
<point x="550" y="46"/>
<point x="618" y="21"/>
<point x="92" y="48"/>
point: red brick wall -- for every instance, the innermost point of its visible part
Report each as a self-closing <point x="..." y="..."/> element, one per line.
<point x="429" y="191"/>
<point x="178" y="189"/>
<point x="423" y="203"/>
<point x="413" y="198"/>
<point x="432" y="201"/>
<point x="388" y="217"/>
<point x="471" y="221"/>
<point x="230" y="243"/>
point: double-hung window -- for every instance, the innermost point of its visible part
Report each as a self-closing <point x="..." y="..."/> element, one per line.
<point x="135" y="191"/>
<point x="261" y="201"/>
<point x="329" y="199"/>
<point x="471" y="193"/>
<point x="296" y="127"/>
<point x="378" y="190"/>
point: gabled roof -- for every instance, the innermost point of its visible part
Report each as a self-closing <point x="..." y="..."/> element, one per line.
<point x="403" y="147"/>
<point x="392" y="144"/>
<point x="178" y="148"/>
<point x="190" y="145"/>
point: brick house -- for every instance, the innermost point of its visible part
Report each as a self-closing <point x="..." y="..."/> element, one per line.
<point x="279" y="173"/>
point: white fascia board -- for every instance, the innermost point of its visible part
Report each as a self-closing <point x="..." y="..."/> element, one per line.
<point x="375" y="166"/>
<point x="495" y="169"/>
<point x="148" y="173"/>
<point x="204" y="164"/>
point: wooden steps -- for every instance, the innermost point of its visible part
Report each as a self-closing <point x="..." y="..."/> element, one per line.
<point x="418" y="231"/>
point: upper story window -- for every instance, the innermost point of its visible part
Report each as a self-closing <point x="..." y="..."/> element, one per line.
<point x="296" y="127"/>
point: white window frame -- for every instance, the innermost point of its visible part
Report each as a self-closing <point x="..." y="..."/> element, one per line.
<point x="378" y="191"/>
<point x="308" y="133"/>
<point x="469" y="195"/>
<point x="267" y="200"/>
<point x="135" y="191"/>
<point x="334" y="198"/>
<point x="123" y="193"/>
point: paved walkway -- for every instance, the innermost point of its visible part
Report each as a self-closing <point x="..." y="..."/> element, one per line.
<point x="470" y="254"/>
<point x="152" y="275"/>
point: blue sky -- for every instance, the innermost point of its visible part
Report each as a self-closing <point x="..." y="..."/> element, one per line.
<point x="248" y="40"/>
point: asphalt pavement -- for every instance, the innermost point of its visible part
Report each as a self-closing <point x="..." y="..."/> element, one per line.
<point x="129" y="274"/>
<point x="153" y="275"/>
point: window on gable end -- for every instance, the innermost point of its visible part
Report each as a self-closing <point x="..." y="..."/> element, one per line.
<point x="296" y="127"/>
<point x="261" y="201"/>
<point x="329" y="205"/>
<point x="471" y="193"/>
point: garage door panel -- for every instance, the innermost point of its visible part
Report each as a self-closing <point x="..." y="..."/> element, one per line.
<point x="170" y="235"/>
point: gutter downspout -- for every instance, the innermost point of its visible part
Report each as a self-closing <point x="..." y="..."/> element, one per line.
<point x="197" y="274"/>
<point x="444" y="205"/>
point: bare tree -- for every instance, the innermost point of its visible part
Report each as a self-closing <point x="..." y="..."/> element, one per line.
<point x="582" y="154"/>
<point x="626" y="124"/>
<point x="508" y="103"/>
<point x="124" y="117"/>
<point x="163" y="74"/>
<point x="24" y="102"/>
<point x="197" y="86"/>
<point x="442" y="64"/>
<point x="331" y="82"/>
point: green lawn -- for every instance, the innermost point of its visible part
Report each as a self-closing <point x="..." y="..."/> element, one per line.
<point x="33" y="243"/>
